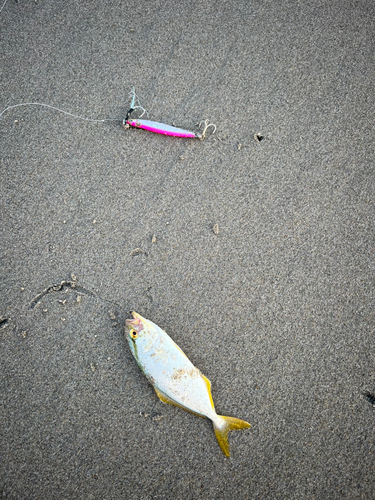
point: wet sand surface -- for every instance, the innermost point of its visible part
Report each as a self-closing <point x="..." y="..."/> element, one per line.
<point x="255" y="253"/>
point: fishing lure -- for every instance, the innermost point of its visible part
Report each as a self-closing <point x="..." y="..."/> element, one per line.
<point x="127" y="122"/>
<point x="160" y="128"/>
<point x="175" y="379"/>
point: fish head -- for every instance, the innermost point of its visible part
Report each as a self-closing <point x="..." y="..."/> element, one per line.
<point x="142" y="334"/>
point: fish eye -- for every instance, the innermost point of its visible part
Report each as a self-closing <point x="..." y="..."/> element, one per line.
<point x="133" y="333"/>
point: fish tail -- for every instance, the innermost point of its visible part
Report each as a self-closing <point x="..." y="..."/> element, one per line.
<point x="222" y="425"/>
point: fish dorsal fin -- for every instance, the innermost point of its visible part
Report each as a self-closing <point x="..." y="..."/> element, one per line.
<point x="166" y="399"/>
<point x="179" y="348"/>
<point x="208" y="385"/>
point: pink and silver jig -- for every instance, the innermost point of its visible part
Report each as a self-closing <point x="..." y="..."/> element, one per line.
<point x="160" y="128"/>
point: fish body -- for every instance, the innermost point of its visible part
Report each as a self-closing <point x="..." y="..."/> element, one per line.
<point x="175" y="379"/>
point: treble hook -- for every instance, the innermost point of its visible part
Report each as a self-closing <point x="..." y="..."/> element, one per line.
<point x="206" y="127"/>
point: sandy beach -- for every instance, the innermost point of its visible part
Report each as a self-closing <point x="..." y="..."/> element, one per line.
<point x="253" y="248"/>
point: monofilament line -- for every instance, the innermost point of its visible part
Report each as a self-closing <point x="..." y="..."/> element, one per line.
<point x="60" y="110"/>
<point x="3" y="5"/>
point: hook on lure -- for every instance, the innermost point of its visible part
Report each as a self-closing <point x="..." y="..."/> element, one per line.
<point x="205" y="128"/>
<point x="159" y="128"/>
<point x="135" y="104"/>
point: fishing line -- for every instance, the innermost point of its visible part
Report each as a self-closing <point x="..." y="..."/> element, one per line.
<point x="61" y="111"/>
<point x="3" y="5"/>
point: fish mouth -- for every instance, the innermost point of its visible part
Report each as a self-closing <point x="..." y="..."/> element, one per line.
<point x="136" y="322"/>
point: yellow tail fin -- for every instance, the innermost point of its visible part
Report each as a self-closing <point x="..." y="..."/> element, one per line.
<point x="222" y="428"/>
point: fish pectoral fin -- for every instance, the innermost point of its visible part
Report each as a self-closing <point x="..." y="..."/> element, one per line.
<point x="166" y="399"/>
<point x="222" y="428"/>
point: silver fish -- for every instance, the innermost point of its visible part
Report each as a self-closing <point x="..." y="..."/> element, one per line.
<point x="175" y="379"/>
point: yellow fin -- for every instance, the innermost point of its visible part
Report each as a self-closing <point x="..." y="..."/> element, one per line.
<point x="221" y="431"/>
<point x="163" y="397"/>
<point x="181" y="351"/>
<point x="208" y="385"/>
<point x="166" y="399"/>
